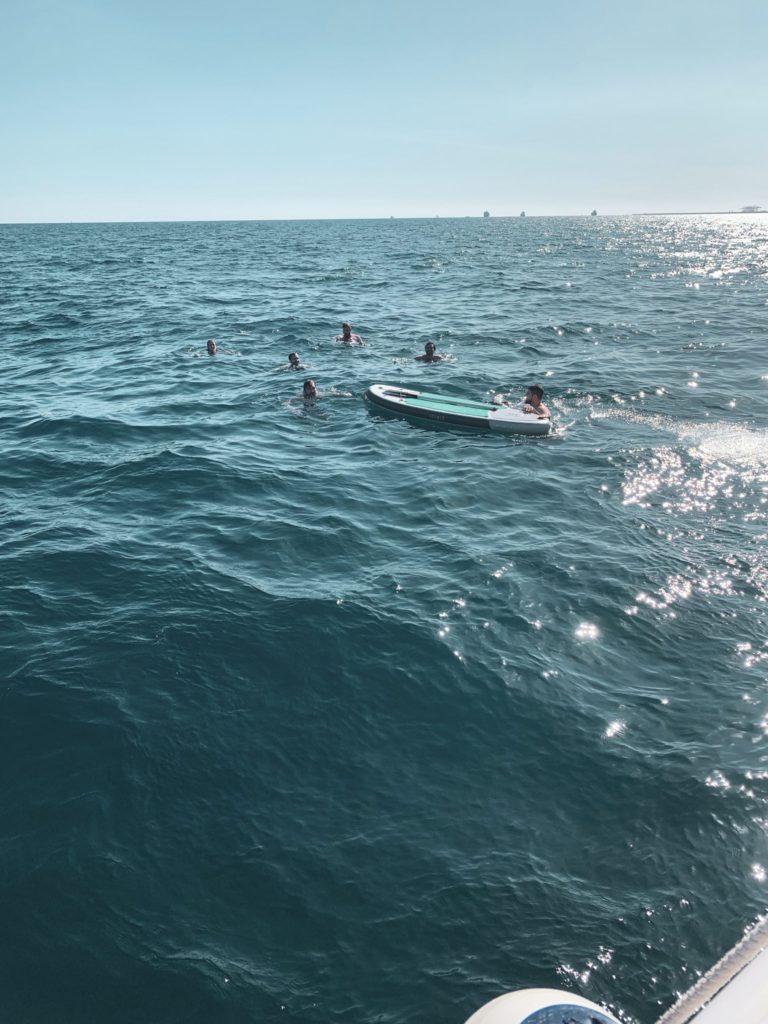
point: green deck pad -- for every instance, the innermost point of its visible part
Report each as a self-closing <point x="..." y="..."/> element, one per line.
<point x="446" y="404"/>
<point x="446" y="409"/>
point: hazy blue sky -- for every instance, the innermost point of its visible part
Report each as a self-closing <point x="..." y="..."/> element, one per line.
<point x="138" y="110"/>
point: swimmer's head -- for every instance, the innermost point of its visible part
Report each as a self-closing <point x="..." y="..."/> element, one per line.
<point x="293" y="359"/>
<point x="310" y="389"/>
<point x="211" y="346"/>
<point x="346" y="329"/>
<point x="535" y="391"/>
<point x="430" y="348"/>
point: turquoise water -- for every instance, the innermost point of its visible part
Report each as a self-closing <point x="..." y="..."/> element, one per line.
<point x="314" y="714"/>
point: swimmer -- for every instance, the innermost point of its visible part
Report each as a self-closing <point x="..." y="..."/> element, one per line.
<point x="310" y="389"/>
<point x="430" y="354"/>
<point x="533" y="401"/>
<point x="347" y="337"/>
<point x="295" y="361"/>
<point x="212" y="347"/>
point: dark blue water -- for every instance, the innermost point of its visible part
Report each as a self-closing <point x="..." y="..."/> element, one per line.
<point x="314" y="715"/>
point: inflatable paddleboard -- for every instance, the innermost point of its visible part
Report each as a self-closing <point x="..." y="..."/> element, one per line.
<point x="461" y="412"/>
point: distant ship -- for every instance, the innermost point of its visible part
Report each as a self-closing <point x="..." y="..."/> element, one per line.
<point x="593" y="214"/>
<point x="486" y="214"/>
<point x="522" y="213"/>
<point x="751" y="209"/>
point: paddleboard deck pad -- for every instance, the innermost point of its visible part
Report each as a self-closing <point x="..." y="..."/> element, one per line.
<point x="460" y="412"/>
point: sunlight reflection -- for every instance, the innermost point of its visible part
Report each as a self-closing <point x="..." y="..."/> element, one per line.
<point x="587" y="631"/>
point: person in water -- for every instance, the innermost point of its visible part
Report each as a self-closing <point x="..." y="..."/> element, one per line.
<point x="212" y="347"/>
<point x="310" y="389"/>
<point x="295" y="361"/>
<point x="347" y="337"/>
<point x="533" y="401"/>
<point x="430" y="354"/>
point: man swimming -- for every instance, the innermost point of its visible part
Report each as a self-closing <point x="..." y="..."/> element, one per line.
<point x="533" y="401"/>
<point x="430" y="354"/>
<point x="310" y="389"/>
<point x="347" y="337"/>
<point x="212" y="347"/>
<point x="295" y="361"/>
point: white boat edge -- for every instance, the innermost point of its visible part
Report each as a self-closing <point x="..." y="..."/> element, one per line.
<point x="734" y="991"/>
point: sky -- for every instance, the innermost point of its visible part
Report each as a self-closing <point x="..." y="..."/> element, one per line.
<point x="119" y="110"/>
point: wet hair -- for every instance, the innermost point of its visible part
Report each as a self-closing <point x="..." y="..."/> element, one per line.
<point x="291" y="356"/>
<point x="537" y="389"/>
<point x="345" y="324"/>
<point x="429" y="345"/>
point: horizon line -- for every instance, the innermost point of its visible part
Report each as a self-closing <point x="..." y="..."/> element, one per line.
<point x="465" y="216"/>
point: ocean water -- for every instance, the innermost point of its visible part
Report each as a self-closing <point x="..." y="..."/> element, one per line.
<point x="312" y="714"/>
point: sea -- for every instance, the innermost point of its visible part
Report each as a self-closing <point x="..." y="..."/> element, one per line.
<point x="314" y="714"/>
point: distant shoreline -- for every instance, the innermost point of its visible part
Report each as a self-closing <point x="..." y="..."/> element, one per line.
<point x="459" y="216"/>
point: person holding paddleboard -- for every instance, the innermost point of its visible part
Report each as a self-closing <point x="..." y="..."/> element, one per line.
<point x="533" y="401"/>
